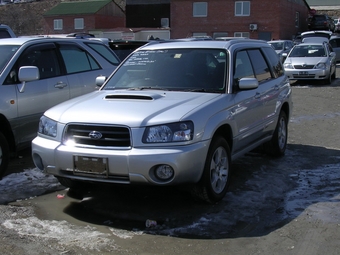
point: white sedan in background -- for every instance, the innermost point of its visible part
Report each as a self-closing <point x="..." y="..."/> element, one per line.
<point x="311" y="61"/>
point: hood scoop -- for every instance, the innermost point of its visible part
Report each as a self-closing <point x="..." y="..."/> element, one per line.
<point x="127" y="96"/>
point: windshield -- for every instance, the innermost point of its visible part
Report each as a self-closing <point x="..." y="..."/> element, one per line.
<point x="6" y="53"/>
<point x="308" y="51"/>
<point x="172" y="69"/>
<point x="277" y="45"/>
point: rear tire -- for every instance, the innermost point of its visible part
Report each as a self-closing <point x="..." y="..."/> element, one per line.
<point x="215" y="179"/>
<point x="4" y="155"/>
<point x="277" y="145"/>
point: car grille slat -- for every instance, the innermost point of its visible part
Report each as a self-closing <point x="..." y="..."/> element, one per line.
<point x="304" y="66"/>
<point x="111" y="136"/>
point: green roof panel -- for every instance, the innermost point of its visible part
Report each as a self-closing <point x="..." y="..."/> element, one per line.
<point x="77" y="7"/>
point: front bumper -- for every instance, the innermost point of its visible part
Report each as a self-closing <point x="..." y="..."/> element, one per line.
<point x="307" y="74"/>
<point x="135" y="165"/>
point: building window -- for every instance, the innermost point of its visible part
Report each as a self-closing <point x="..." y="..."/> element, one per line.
<point x="79" y="23"/>
<point x="297" y="19"/>
<point x="58" y="24"/>
<point x="241" y="34"/>
<point x="200" y="34"/>
<point x="242" y="8"/>
<point x="200" y="9"/>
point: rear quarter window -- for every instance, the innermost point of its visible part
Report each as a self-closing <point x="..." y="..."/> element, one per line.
<point x="274" y="62"/>
<point x="105" y="52"/>
<point x="260" y="66"/>
<point x="4" y="34"/>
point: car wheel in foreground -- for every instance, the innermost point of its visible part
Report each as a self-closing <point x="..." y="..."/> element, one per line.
<point x="4" y="155"/>
<point x="277" y="145"/>
<point x="215" y="180"/>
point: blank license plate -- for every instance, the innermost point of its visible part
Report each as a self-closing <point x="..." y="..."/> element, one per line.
<point x="90" y="165"/>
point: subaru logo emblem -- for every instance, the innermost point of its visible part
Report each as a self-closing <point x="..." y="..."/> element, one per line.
<point x="95" y="135"/>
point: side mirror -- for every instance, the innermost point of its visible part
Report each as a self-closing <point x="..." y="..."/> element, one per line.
<point x="248" y="83"/>
<point x="100" y="80"/>
<point x="28" y="73"/>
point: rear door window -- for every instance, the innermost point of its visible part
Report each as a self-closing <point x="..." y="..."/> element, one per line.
<point x="77" y="60"/>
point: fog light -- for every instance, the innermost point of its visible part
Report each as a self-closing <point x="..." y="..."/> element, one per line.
<point x="164" y="172"/>
<point x="37" y="160"/>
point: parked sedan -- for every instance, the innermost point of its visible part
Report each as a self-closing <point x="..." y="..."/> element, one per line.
<point x="38" y="73"/>
<point x="311" y="61"/>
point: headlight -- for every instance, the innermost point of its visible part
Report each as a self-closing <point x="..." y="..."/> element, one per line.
<point x="288" y="66"/>
<point x="321" y="66"/>
<point x="47" y="127"/>
<point x="167" y="133"/>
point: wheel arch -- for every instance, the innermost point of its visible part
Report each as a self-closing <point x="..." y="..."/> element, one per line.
<point x="286" y="109"/>
<point x="226" y="132"/>
<point x="5" y="129"/>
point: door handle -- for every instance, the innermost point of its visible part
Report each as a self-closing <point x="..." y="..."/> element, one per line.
<point x="257" y="95"/>
<point x="60" y="85"/>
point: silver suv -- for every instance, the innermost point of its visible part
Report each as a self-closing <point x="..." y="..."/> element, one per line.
<point x="38" y="73"/>
<point x="173" y="113"/>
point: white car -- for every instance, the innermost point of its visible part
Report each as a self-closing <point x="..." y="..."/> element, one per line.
<point x="38" y="73"/>
<point x="311" y="61"/>
<point x="173" y="113"/>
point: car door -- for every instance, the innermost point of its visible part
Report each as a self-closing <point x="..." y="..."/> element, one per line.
<point x="248" y="109"/>
<point x="81" y="68"/>
<point x="39" y="95"/>
<point x="335" y="43"/>
<point x="268" y="88"/>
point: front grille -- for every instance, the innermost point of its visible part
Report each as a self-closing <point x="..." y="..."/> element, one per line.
<point x="304" y="66"/>
<point x="111" y="136"/>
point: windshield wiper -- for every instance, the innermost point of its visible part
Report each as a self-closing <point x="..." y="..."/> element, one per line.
<point x="146" y="87"/>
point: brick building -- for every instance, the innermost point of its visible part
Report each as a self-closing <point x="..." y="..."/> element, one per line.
<point x="83" y="16"/>
<point x="256" y="19"/>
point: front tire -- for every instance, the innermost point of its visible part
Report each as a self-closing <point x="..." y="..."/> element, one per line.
<point x="4" y="155"/>
<point x="215" y="179"/>
<point x="277" y="145"/>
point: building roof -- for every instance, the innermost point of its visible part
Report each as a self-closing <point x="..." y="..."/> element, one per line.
<point x="323" y="2"/>
<point x="77" y="7"/>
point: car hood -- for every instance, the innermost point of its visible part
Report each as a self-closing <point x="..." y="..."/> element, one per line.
<point x="132" y="108"/>
<point x="306" y="60"/>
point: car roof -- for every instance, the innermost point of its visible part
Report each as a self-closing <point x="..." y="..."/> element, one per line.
<point x="309" y="43"/>
<point x="317" y="33"/>
<point x="275" y="41"/>
<point x="22" y="40"/>
<point x="203" y="44"/>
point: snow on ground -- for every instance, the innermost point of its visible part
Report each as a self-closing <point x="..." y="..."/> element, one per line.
<point x="316" y="194"/>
